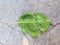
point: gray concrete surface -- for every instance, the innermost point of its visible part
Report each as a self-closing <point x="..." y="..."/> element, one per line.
<point x="10" y="10"/>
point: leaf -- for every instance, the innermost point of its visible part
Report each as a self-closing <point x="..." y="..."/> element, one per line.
<point x="45" y="26"/>
<point x="34" y="33"/>
<point x="43" y="22"/>
<point x="32" y="22"/>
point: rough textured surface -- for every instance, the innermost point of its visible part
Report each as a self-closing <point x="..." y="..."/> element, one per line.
<point x="10" y="10"/>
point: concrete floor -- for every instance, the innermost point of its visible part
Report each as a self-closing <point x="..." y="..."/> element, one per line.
<point x="11" y="34"/>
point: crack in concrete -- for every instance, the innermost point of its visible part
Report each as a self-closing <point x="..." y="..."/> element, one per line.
<point x="10" y="32"/>
<point x="55" y="24"/>
<point x="8" y="25"/>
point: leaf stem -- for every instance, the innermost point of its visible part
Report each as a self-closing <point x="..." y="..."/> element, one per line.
<point x="12" y="22"/>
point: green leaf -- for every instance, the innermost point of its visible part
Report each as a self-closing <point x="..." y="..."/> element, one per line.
<point x="31" y="23"/>
<point x="45" y="26"/>
<point x="34" y="33"/>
